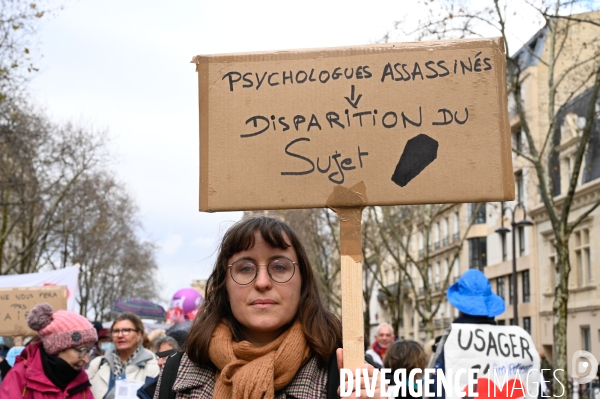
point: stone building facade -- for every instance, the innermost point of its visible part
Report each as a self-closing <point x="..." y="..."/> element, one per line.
<point x="491" y="252"/>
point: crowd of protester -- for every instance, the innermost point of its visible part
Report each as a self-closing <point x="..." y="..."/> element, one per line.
<point x="71" y="357"/>
<point x="262" y="332"/>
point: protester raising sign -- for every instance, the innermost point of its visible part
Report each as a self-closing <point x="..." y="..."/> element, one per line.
<point x="345" y="128"/>
<point x="502" y="358"/>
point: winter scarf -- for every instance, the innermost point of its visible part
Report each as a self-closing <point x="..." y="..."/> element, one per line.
<point x="245" y="371"/>
<point x="120" y="367"/>
<point x="379" y="350"/>
<point x="57" y="370"/>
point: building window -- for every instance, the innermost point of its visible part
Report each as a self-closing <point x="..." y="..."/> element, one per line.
<point x="519" y="187"/>
<point x="586" y="339"/>
<point x="446" y="239"/>
<point x="525" y="282"/>
<point x="582" y="257"/>
<point x="456" y="232"/>
<point x="527" y="324"/>
<point x="521" y="231"/>
<point x="456" y="269"/>
<point x="518" y="140"/>
<point x="477" y="252"/>
<point x="512" y="322"/>
<point x="511" y="295"/>
<point x="504" y="253"/>
<point x="501" y="322"/>
<point x="446" y="268"/>
<point x="477" y="213"/>
<point x="500" y="287"/>
<point x="552" y="264"/>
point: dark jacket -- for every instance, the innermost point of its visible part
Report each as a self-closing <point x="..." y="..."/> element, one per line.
<point x="4" y="368"/>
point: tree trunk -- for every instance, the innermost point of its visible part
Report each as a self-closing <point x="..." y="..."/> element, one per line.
<point x="396" y="325"/>
<point x="429" y="330"/>
<point x="559" y="307"/>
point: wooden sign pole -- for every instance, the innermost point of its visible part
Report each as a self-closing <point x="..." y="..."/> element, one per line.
<point x="351" y="270"/>
<point x="352" y="298"/>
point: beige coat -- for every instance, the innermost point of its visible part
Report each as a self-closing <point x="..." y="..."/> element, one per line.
<point x="144" y="366"/>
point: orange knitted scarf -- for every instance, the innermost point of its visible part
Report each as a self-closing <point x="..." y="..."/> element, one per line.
<point x="247" y="372"/>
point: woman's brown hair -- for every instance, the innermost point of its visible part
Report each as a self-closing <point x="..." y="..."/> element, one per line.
<point x="322" y="329"/>
<point x="132" y="317"/>
<point x="405" y="355"/>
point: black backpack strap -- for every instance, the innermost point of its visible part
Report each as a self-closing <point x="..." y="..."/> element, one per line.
<point x="333" y="378"/>
<point x="169" y="374"/>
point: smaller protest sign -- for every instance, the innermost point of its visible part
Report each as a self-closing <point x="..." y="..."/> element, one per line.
<point x="501" y="359"/>
<point x="15" y="304"/>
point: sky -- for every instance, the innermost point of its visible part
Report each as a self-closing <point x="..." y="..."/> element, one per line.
<point x="124" y="67"/>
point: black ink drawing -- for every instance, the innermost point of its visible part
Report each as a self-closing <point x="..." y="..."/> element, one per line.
<point x="418" y="153"/>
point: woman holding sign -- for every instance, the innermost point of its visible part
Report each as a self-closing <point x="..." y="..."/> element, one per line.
<point x="53" y="367"/>
<point x="262" y="331"/>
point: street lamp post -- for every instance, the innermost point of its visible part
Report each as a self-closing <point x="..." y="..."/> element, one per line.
<point x="503" y="231"/>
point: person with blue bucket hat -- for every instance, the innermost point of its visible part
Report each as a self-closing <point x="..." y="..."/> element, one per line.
<point x="472" y="295"/>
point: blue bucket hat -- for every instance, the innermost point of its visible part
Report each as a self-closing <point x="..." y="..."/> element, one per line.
<point x="472" y="295"/>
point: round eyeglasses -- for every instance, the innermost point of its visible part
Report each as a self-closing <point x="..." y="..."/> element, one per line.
<point x="244" y="271"/>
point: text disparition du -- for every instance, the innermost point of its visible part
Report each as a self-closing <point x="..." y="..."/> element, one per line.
<point x="335" y="165"/>
<point x="333" y="120"/>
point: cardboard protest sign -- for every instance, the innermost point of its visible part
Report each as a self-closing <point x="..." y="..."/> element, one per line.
<point x="507" y="361"/>
<point x="405" y="122"/>
<point x="15" y="304"/>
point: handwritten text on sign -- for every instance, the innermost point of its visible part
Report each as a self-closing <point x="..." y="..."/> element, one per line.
<point x="383" y="117"/>
<point x="504" y="356"/>
<point x="15" y="304"/>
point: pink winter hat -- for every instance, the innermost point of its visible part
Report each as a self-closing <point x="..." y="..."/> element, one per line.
<point x="60" y="330"/>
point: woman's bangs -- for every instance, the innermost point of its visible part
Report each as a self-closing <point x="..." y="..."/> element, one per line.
<point x="242" y="241"/>
<point x="242" y="238"/>
<point x="275" y="236"/>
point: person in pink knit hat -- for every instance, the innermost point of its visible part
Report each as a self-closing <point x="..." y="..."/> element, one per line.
<point x="53" y="367"/>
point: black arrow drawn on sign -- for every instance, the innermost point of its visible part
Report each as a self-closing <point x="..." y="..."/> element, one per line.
<point x="353" y="103"/>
